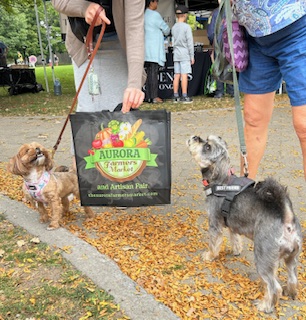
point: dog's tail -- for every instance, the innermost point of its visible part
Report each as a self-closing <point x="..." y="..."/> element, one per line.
<point x="276" y="198"/>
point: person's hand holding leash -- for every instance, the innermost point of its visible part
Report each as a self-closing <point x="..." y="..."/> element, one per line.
<point x="91" y="12"/>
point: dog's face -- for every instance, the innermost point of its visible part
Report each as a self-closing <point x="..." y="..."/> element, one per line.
<point x="207" y="152"/>
<point x="30" y="156"/>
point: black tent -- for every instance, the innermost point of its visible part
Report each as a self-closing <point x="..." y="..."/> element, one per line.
<point x="195" y="5"/>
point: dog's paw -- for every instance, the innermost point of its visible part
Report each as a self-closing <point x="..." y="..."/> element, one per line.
<point x="208" y="256"/>
<point x="290" y="291"/>
<point x="44" y="219"/>
<point x="90" y="219"/>
<point x="53" y="226"/>
<point x="263" y="306"/>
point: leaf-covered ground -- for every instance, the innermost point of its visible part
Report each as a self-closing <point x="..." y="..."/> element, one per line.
<point x="162" y="253"/>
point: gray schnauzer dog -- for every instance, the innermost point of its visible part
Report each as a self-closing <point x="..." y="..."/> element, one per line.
<point x="262" y="212"/>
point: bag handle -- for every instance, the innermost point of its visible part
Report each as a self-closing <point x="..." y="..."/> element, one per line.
<point x="91" y="54"/>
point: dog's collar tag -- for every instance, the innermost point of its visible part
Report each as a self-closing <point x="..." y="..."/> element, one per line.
<point x="208" y="191"/>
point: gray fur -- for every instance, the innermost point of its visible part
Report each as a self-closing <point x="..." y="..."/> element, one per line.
<point x="264" y="214"/>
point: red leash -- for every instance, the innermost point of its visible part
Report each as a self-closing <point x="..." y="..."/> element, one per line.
<point x="91" y="54"/>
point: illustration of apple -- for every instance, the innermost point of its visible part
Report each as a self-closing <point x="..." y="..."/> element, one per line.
<point x="97" y="144"/>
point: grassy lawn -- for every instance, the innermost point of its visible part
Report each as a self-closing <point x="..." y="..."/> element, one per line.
<point x="42" y="102"/>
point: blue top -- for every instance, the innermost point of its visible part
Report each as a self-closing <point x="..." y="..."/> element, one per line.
<point x="264" y="17"/>
<point x="182" y="39"/>
<point x="155" y="30"/>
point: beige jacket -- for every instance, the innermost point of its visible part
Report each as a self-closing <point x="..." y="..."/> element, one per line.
<point x="129" y="21"/>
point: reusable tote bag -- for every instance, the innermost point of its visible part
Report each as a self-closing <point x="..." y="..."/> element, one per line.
<point x="123" y="159"/>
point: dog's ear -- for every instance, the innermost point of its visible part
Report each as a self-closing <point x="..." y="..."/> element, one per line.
<point x="223" y="143"/>
<point x="15" y="166"/>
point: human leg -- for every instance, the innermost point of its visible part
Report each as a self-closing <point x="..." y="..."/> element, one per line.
<point x="258" y="109"/>
<point x="152" y="80"/>
<point x="155" y="80"/>
<point x="230" y="89"/>
<point x="299" y="123"/>
<point x="176" y="83"/>
<point x="184" y="83"/>
<point x="292" y="61"/>
<point x="149" y="70"/>
<point x="185" y="70"/>
<point x="220" y="90"/>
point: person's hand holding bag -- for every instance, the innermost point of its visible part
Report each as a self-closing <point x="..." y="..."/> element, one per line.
<point x="132" y="98"/>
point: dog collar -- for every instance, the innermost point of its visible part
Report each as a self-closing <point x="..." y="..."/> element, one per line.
<point x="35" y="189"/>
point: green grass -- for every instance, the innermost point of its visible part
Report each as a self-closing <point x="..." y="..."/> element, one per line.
<point x="41" y="103"/>
<point x="36" y="282"/>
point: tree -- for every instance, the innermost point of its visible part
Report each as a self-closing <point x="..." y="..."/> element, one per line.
<point x="10" y="5"/>
<point x="22" y="31"/>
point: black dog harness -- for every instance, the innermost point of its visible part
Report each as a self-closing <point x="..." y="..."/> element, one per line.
<point x="228" y="192"/>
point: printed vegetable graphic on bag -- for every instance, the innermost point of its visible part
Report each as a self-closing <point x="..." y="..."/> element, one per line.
<point x="120" y="152"/>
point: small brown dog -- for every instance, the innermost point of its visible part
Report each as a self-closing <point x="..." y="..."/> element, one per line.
<point x="33" y="162"/>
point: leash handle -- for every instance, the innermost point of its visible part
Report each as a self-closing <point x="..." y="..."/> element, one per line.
<point x="89" y="36"/>
<point x="91" y="54"/>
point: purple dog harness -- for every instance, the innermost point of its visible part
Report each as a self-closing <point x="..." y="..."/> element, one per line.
<point x="35" y="189"/>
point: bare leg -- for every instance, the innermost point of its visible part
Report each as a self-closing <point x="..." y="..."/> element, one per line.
<point x="176" y="82"/>
<point x="299" y="123"/>
<point x="184" y="83"/>
<point x="258" y="109"/>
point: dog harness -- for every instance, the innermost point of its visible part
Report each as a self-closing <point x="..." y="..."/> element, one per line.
<point x="228" y="192"/>
<point x="35" y="189"/>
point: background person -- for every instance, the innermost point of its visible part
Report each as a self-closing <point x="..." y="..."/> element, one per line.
<point x="155" y="30"/>
<point x="277" y="46"/>
<point x="56" y="59"/>
<point x="183" y="54"/>
<point x="120" y="72"/>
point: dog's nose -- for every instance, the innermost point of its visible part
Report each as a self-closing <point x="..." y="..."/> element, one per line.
<point x="38" y="151"/>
